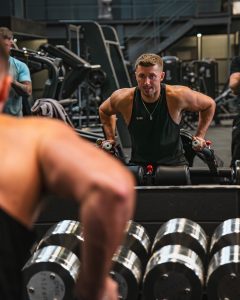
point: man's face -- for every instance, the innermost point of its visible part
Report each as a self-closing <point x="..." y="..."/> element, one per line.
<point x="149" y="79"/>
<point x="8" y="43"/>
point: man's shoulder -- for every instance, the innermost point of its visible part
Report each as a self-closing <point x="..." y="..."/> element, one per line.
<point x="176" y="90"/>
<point x="18" y="63"/>
<point x="124" y="93"/>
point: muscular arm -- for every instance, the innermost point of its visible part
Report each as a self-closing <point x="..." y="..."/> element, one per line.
<point x="22" y="88"/>
<point x="75" y="169"/>
<point x="108" y="119"/>
<point x="119" y="102"/>
<point x="198" y="102"/>
<point x="234" y="82"/>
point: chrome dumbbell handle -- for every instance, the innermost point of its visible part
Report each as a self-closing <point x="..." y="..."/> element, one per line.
<point x="106" y="145"/>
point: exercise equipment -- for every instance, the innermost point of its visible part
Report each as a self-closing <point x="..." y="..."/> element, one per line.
<point x="114" y="149"/>
<point x="172" y="69"/>
<point x="138" y="173"/>
<point x="38" y="62"/>
<point x="50" y="274"/>
<point x="173" y="272"/>
<point x="138" y="241"/>
<point x="223" y="278"/>
<point x="127" y="272"/>
<point x="226" y="234"/>
<point x="67" y="234"/>
<point x="227" y="106"/>
<point x="172" y="175"/>
<point x="184" y="232"/>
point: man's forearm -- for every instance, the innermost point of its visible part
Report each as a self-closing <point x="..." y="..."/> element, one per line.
<point x="21" y="89"/>
<point x="109" y="125"/>
<point x="205" y="119"/>
<point x="104" y="225"/>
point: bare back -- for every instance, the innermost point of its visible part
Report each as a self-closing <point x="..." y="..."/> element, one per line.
<point x="20" y="183"/>
<point x="40" y="152"/>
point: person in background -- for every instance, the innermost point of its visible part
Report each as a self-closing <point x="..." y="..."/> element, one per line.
<point x="21" y="81"/>
<point x="152" y="112"/>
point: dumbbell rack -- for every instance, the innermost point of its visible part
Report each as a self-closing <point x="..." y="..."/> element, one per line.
<point x="206" y="205"/>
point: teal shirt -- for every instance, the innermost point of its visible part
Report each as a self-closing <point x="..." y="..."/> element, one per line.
<point x="19" y="72"/>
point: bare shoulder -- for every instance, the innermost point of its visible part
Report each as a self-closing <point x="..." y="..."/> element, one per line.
<point x="177" y="92"/>
<point x="45" y="132"/>
<point x="124" y="94"/>
<point x="45" y="126"/>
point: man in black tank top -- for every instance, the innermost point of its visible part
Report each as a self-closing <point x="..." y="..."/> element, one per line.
<point x="152" y="112"/>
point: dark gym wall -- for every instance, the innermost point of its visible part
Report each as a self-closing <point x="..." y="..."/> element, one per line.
<point x="121" y="9"/>
<point x="62" y="9"/>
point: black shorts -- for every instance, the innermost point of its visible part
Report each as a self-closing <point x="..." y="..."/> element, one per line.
<point x="15" y="244"/>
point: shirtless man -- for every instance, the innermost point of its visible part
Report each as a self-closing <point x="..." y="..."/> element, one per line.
<point x="152" y="112"/>
<point x="36" y="154"/>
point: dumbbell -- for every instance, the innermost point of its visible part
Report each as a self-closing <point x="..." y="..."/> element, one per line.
<point x="184" y="232"/>
<point x="104" y="144"/>
<point x="226" y="234"/>
<point x="127" y="272"/>
<point x="66" y="233"/>
<point x="223" y="276"/>
<point x="130" y="260"/>
<point x="138" y="241"/>
<point x="50" y="273"/>
<point x="108" y="147"/>
<point x="173" y="272"/>
<point x="176" y="270"/>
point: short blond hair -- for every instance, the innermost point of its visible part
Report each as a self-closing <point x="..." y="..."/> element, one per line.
<point x="148" y="60"/>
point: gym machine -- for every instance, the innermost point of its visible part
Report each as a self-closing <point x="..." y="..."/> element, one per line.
<point x="36" y="62"/>
<point x="82" y="81"/>
<point x="109" y="55"/>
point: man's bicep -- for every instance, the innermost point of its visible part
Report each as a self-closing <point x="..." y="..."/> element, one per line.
<point x="24" y="74"/>
<point x="195" y="101"/>
<point x="108" y="107"/>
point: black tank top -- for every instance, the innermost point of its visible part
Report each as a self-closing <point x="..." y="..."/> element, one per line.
<point x="155" y="141"/>
<point x="15" y="244"/>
